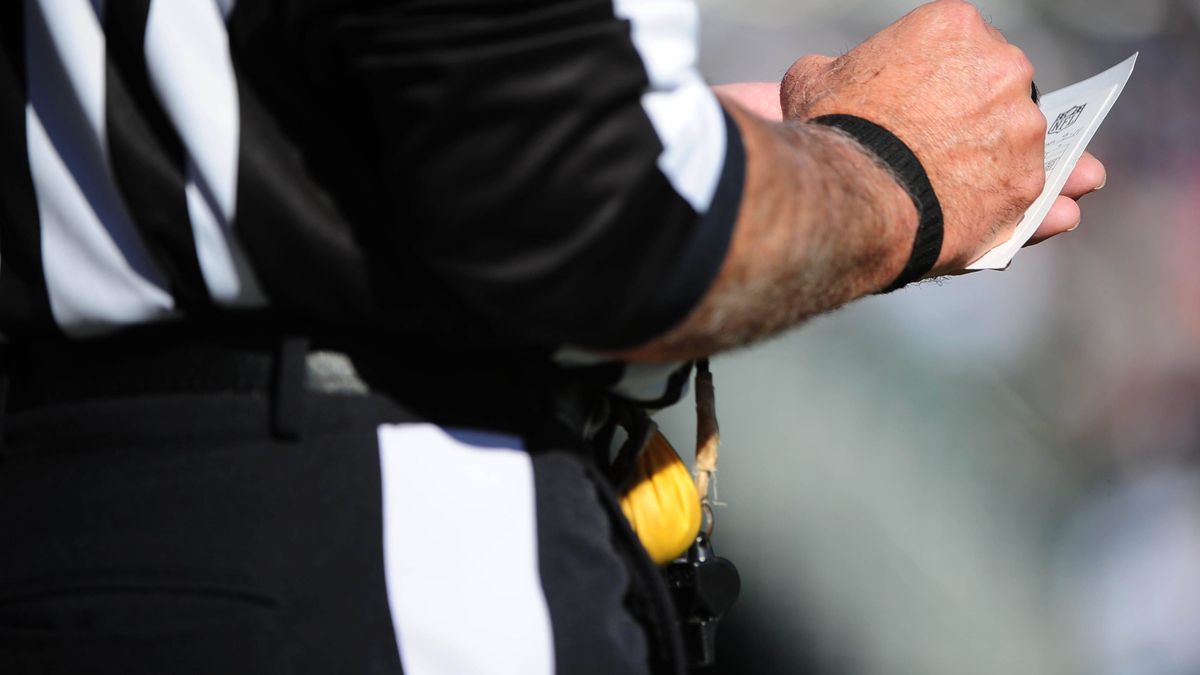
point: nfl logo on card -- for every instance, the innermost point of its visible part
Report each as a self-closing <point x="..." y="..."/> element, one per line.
<point x="1065" y="120"/>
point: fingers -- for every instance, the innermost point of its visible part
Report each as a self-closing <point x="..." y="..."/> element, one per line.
<point x="1063" y="217"/>
<point x="761" y="98"/>
<point x="1089" y="175"/>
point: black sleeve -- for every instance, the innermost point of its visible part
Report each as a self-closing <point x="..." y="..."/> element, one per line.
<point x="562" y="164"/>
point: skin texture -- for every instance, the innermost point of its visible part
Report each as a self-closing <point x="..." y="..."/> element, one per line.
<point x="762" y="98"/>
<point x="822" y="222"/>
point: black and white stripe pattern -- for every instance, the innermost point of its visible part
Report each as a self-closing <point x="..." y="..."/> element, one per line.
<point x="154" y="171"/>
<point x="157" y="182"/>
<point x="132" y="140"/>
<point x="504" y="562"/>
<point x="475" y="493"/>
<point x="99" y="272"/>
<point x="195" y="83"/>
<point x="683" y="110"/>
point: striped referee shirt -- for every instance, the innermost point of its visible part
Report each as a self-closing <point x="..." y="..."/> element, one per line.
<point x="546" y="174"/>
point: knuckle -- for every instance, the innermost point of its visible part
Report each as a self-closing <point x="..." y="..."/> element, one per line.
<point x="1038" y="124"/>
<point x="1038" y="183"/>
<point x="801" y="84"/>
<point x="1021" y="64"/>
<point x="952" y="5"/>
<point x="816" y="63"/>
<point x="1031" y="125"/>
<point x="1024" y="120"/>
<point x="961" y="12"/>
<point x="1031" y="186"/>
<point x="1009" y="72"/>
<point x="807" y="67"/>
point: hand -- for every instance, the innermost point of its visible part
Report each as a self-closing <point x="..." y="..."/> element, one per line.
<point x="1087" y="177"/>
<point x="951" y="87"/>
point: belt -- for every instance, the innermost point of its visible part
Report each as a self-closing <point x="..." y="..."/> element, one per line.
<point x="166" y="362"/>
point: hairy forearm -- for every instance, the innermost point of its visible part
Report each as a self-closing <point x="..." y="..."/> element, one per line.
<point x="821" y="223"/>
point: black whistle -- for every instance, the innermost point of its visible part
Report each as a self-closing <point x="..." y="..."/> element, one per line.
<point x="704" y="587"/>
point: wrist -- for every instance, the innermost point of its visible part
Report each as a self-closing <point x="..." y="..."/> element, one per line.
<point x="926" y="243"/>
<point x="864" y="196"/>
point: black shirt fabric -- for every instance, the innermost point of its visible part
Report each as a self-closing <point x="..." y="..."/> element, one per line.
<point x="545" y="175"/>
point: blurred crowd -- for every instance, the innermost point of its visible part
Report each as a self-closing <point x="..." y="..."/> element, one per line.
<point x="996" y="473"/>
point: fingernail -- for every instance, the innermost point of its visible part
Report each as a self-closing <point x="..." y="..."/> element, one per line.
<point x="1102" y="184"/>
<point x="1076" y="225"/>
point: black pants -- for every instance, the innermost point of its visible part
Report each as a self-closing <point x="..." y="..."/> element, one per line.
<point x="174" y="534"/>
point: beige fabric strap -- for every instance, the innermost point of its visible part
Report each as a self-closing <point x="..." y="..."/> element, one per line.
<point x="708" y="434"/>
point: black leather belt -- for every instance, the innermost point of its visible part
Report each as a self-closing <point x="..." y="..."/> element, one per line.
<point x="477" y="386"/>
<point x="162" y="362"/>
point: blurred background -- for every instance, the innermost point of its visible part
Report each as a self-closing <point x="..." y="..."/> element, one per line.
<point x="996" y="473"/>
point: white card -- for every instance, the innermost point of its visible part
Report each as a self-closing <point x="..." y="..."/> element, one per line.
<point x="1073" y="115"/>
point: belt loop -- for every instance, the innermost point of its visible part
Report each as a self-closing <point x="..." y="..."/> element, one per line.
<point x="287" y="395"/>
<point x="5" y="375"/>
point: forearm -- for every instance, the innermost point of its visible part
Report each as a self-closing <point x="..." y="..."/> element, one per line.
<point x="821" y="223"/>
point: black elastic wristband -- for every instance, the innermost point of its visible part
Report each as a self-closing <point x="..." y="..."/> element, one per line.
<point x="893" y="152"/>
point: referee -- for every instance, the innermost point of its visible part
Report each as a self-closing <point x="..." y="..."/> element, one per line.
<point x="310" y="307"/>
